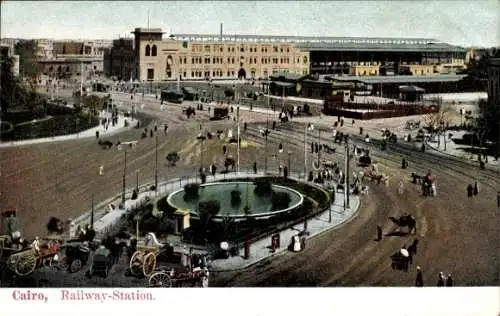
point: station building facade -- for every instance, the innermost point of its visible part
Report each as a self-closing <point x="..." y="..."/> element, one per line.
<point x="199" y="57"/>
<point x="196" y="57"/>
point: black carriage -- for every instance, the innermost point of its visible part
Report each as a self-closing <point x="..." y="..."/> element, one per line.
<point x="365" y="161"/>
<point x="76" y="256"/>
<point x="400" y="260"/>
<point x="101" y="263"/>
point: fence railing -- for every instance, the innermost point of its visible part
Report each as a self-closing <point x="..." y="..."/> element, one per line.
<point x="169" y="186"/>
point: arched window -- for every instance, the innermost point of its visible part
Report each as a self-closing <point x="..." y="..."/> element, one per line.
<point x="148" y="50"/>
<point x="59" y="69"/>
<point x="153" y="51"/>
<point x="305" y="59"/>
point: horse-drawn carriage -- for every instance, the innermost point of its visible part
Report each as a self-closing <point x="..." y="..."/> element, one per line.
<point x="170" y="278"/>
<point x="400" y="260"/>
<point x="101" y="262"/>
<point x="372" y="174"/>
<point x="25" y="261"/>
<point x="143" y="261"/>
<point x="76" y="255"/>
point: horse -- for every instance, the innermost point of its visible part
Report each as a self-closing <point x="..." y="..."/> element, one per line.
<point x="412" y="249"/>
<point x="105" y="144"/>
<point x="405" y="221"/>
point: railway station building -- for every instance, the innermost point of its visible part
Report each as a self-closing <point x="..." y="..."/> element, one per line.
<point x="158" y="57"/>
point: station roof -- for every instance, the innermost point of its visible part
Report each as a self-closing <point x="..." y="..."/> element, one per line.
<point x="316" y="43"/>
<point x="283" y="84"/>
<point x="411" y="89"/>
<point x="189" y="90"/>
<point x="288" y="76"/>
<point x="400" y="79"/>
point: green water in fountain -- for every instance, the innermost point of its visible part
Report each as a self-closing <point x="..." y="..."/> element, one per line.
<point x="221" y="192"/>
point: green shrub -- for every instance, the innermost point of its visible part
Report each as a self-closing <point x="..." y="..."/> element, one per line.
<point x="211" y="207"/>
<point x="235" y="197"/>
<point x="191" y="191"/>
<point x="262" y="187"/>
<point x="280" y="200"/>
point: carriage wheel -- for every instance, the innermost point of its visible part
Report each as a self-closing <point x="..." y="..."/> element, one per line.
<point x="12" y="262"/>
<point x="160" y="279"/>
<point x="75" y="266"/>
<point x="26" y="265"/>
<point x="64" y="263"/>
<point x="149" y="264"/>
<point x="136" y="263"/>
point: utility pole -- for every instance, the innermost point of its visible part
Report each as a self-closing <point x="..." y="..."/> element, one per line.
<point x="123" y="180"/>
<point x="346" y="176"/>
<point x="156" y="162"/>
<point x="92" y="213"/>
<point x="319" y="147"/>
<point x="238" y="145"/>
<point x="283" y="99"/>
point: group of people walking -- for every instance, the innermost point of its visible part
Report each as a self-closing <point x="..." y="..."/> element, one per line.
<point x="472" y="190"/>
<point x="442" y="281"/>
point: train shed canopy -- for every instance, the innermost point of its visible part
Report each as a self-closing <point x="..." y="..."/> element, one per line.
<point x="288" y="77"/>
<point x="400" y="79"/>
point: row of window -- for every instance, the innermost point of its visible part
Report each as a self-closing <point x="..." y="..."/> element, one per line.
<point x="294" y="40"/>
<point x="241" y="49"/>
<point x="232" y="60"/>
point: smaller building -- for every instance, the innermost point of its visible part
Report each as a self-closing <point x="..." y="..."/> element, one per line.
<point x="6" y="51"/>
<point x="362" y="69"/>
<point x="411" y="93"/>
<point x="417" y="70"/>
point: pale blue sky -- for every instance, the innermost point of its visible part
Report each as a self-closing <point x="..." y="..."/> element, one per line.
<point x="467" y="23"/>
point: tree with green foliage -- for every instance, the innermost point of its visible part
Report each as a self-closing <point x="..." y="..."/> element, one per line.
<point x="27" y="51"/>
<point x="14" y="93"/>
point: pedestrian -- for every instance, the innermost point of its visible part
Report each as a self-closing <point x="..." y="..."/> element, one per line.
<point x="279" y="169"/>
<point x="245" y="126"/>
<point x="352" y="123"/>
<point x="449" y="281"/>
<point x="470" y="190"/>
<point x="419" y="280"/>
<point x="476" y="191"/>
<point x="440" y="279"/>
<point x="401" y="187"/>
<point x="165" y="128"/>
<point x="255" y="167"/>
<point x="379" y="233"/>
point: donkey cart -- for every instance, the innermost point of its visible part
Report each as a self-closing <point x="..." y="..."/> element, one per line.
<point x="24" y="262"/>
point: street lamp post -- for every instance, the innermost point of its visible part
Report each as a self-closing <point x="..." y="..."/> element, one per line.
<point x="137" y="180"/>
<point x="308" y="127"/>
<point x="346" y="183"/>
<point x="123" y="180"/>
<point x="123" y="146"/>
<point x="202" y="138"/>
<point x="289" y="161"/>
<point x="156" y="162"/>
<point x="238" y="140"/>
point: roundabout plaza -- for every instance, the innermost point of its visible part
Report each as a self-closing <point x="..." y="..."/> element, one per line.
<point x="273" y="211"/>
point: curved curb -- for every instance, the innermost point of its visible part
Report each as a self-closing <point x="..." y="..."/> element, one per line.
<point x="282" y="251"/>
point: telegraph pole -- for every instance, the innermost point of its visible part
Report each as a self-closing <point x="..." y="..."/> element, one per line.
<point x="123" y="180"/>
<point x="238" y="140"/>
<point x="346" y="177"/>
<point x="319" y="147"/>
<point x="156" y="162"/>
